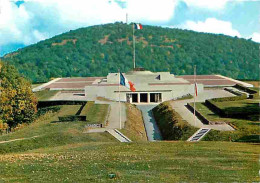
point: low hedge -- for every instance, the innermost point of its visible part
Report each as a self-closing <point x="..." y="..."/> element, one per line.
<point x="44" y="110"/>
<point x="72" y="118"/>
<point x="234" y="136"/>
<point x="170" y="123"/>
<point x="59" y="102"/>
<point x="235" y="98"/>
<point x="245" y="89"/>
<point x="253" y="92"/>
<point x="231" y="113"/>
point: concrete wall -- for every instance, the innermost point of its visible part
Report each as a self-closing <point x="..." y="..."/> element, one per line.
<point x="169" y="92"/>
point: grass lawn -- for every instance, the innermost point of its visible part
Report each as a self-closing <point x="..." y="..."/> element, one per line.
<point x="69" y="110"/>
<point x="96" y="113"/>
<point x="45" y="94"/>
<point x="63" y="153"/>
<point x="135" y="162"/>
<point x="134" y="125"/>
<point x="246" y="129"/>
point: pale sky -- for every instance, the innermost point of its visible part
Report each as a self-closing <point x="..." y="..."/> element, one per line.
<point x="26" y="22"/>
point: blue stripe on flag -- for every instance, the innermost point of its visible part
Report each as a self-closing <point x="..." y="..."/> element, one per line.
<point x="122" y="79"/>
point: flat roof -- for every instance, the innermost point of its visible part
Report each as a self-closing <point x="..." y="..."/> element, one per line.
<point x="79" y="83"/>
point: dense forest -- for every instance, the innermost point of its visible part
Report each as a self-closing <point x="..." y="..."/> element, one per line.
<point x="98" y="50"/>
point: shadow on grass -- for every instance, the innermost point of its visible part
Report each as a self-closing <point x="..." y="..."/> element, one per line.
<point x="250" y="138"/>
<point x="64" y="121"/>
<point x="249" y="112"/>
<point x="257" y="124"/>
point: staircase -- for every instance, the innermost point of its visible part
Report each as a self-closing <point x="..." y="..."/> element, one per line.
<point x="198" y="135"/>
<point x="118" y="135"/>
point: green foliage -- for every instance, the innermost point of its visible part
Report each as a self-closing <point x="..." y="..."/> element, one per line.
<point x="170" y="123"/>
<point x="97" y="50"/>
<point x="44" y="110"/>
<point x="224" y="99"/>
<point x="17" y="102"/>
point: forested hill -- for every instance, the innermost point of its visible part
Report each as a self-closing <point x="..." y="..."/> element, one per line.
<point x="98" y="50"/>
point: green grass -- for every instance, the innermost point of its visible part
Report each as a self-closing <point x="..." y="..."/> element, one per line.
<point x="239" y="103"/>
<point x="246" y="129"/>
<point x="96" y="113"/>
<point x="45" y="94"/>
<point x="62" y="152"/>
<point x="69" y="110"/>
<point x="136" y="162"/>
<point x="50" y="133"/>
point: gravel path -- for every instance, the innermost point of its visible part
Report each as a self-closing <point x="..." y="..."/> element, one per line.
<point x="152" y="130"/>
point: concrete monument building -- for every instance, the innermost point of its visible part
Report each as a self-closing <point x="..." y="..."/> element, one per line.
<point x="151" y="87"/>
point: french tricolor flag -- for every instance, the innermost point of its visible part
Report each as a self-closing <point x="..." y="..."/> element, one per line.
<point x="126" y="83"/>
<point x="138" y="26"/>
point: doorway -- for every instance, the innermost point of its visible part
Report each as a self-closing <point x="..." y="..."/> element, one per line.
<point x="134" y="97"/>
<point x="143" y="97"/>
<point x="155" y="97"/>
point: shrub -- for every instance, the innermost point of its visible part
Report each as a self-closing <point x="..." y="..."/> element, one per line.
<point x="170" y="123"/>
<point x="235" y="98"/>
<point x="44" y="110"/>
<point x="59" y="102"/>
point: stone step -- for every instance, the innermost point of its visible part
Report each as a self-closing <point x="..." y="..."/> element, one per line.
<point x="198" y="135"/>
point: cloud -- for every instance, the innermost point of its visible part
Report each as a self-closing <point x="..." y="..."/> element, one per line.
<point x="256" y="37"/>
<point x="30" y="21"/>
<point x="209" y="4"/>
<point x="151" y="10"/>
<point x="212" y="25"/>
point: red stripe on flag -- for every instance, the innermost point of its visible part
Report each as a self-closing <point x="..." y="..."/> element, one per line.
<point x="132" y="88"/>
<point x="140" y="25"/>
<point x="196" y="90"/>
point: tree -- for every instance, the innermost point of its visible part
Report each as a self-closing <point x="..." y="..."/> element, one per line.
<point x="17" y="101"/>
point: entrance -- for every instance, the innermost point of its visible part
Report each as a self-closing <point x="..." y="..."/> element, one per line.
<point x="155" y="97"/>
<point x="143" y="97"/>
<point x="134" y="97"/>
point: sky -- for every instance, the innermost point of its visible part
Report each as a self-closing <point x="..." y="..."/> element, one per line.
<point x="25" y="22"/>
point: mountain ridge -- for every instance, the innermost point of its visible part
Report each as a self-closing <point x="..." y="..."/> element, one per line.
<point x="98" y="50"/>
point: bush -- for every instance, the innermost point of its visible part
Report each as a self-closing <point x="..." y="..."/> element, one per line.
<point x="170" y="123"/>
<point x="59" y="102"/>
<point x="234" y="136"/>
<point x="44" y="110"/>
<point x="235" y="98"/>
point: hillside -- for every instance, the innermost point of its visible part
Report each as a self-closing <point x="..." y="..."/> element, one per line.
<point x="98" y="50"/>
<point x="51" y="151"/>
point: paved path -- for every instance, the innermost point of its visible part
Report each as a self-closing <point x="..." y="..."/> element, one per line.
<point x="113" y="119"/>
<point x="179" y="106"/>
<point x="152" y="130"/>
<point x="3" y="142"/>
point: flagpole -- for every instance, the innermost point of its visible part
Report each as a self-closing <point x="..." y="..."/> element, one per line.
<point x="194" y="106"/>
<point x="119" y="99"/>
<point x="134" y="44"/>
